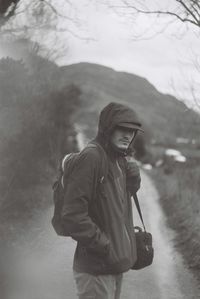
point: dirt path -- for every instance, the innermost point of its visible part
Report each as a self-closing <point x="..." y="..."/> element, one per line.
<point x="42" y="269"/>
<point x="168" y="277"/>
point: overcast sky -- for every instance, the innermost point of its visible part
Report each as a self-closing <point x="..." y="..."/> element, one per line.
<point x="165" y="59"/>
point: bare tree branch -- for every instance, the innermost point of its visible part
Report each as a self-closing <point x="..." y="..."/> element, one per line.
<point x="187" y="12"/>
<point x="8" y="11"/>
<point x="5" y="4"/>
<point x="55" y="11"/>
<point x="196" y="9"/>
<point x="196" y="100"/>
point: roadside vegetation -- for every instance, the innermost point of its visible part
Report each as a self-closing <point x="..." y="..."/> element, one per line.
<point x="179" y="189"/>
<point x="36" y="130"/>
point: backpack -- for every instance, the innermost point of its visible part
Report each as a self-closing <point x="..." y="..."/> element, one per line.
<point x="68" y="163"/>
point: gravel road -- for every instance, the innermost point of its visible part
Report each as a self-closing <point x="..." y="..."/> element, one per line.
<point x="42" y="267"/>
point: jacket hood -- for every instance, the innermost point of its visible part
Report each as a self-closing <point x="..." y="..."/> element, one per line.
<point x="115" y="114"/>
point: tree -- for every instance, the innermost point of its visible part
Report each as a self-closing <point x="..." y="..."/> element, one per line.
<point x="33" y="19"/>
<point x="158" y="16"/>
<point x="186" y="11"/>
<point x="36" y="129"/>
<point x="7" y="10"/>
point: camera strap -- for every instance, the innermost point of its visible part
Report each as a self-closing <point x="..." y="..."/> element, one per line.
<point x="139" y="209"/>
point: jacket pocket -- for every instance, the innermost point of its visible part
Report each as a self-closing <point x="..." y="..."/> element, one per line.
<point x="121" y="247"/>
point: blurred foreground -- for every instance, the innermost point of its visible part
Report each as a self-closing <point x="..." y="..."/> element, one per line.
<point x="40" y="267"/>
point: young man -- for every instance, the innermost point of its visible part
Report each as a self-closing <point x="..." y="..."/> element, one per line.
<point x="98" y="215"/>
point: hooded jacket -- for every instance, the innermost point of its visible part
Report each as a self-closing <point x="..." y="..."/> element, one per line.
<point x="98" y="215"/>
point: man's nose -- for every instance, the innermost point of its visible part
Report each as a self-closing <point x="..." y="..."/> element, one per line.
<point x="128" y="135"/>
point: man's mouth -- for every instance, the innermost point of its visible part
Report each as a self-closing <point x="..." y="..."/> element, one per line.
<point x="124" y="141"/>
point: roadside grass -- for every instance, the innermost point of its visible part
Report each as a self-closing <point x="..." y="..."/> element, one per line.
<point x="179" y="195"/>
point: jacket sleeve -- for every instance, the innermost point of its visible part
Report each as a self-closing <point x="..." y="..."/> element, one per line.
<point x="133" y="179"/>
<point x="79" y="193"/>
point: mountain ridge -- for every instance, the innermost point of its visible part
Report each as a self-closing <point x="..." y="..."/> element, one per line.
<point x="164" y="116"/>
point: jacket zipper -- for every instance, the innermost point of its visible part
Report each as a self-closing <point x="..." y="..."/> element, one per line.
<point x="125" y="229"/>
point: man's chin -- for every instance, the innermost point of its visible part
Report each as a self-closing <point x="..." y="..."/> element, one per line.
<point x="122" y="147"/>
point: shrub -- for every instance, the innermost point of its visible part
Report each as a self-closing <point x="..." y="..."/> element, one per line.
<point x="36" y="121"/>
<point x="179" y="195"/>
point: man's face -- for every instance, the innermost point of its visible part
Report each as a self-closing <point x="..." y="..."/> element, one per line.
<point x="122" y="136"/>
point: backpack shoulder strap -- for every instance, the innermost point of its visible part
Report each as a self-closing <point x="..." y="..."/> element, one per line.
<point x="69" y="160"/>
<point x="67" y="166"/>
<point x="104" y="161"/>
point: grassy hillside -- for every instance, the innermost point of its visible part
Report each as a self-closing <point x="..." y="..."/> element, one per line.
<point x="164" y="116"/>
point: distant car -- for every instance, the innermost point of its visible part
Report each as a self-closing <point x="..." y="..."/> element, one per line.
<point x="147" y="166"/>
<point x="172" y="152"/>
<point x="175" y="155"/>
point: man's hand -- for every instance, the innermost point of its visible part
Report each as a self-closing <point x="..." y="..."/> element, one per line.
<point x="133" y="176"/>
